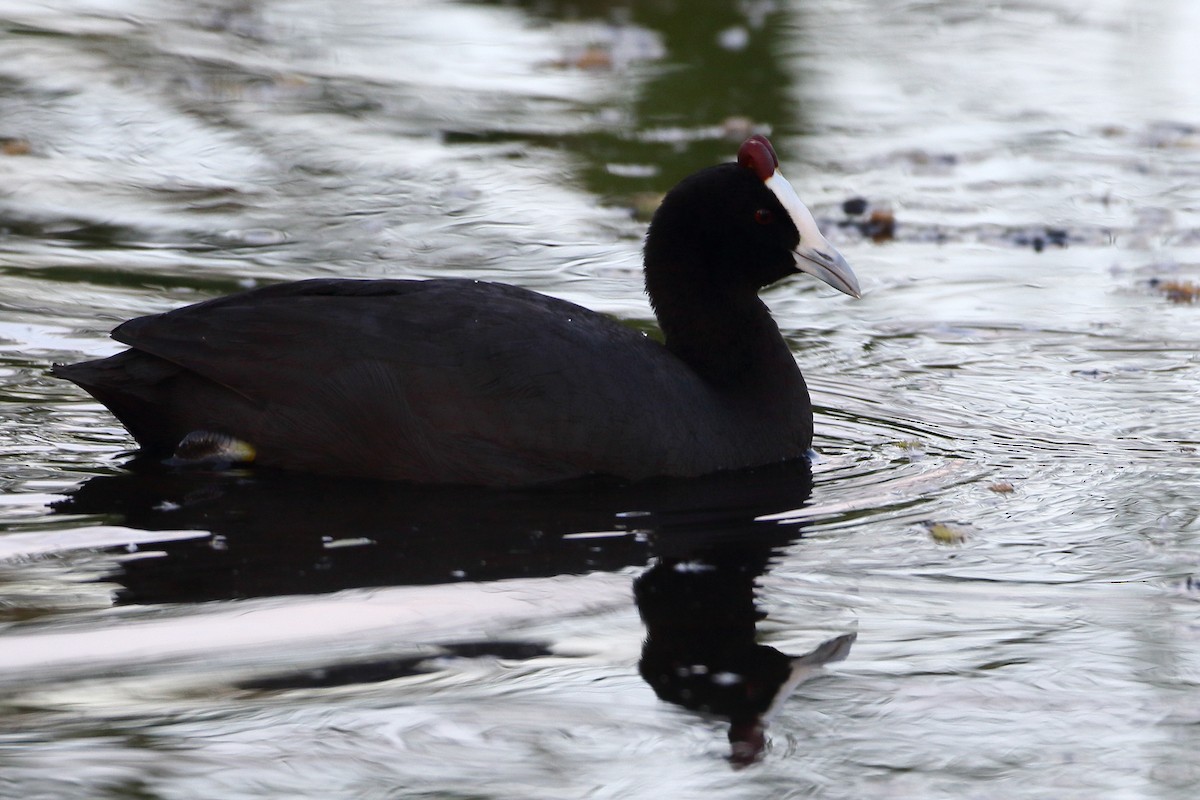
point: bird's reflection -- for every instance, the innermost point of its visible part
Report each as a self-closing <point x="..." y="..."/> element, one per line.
<point x="702" y="650"/>
<point x="273" y="534"/>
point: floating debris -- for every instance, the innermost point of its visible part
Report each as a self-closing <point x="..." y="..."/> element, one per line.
<point x="1177" y="291"/>
<point x="1039" y="241"/>
<point x="879" y="225"/>
<point x="946" y="533"/>
<point x="609" y="48"/>
<point x="855" y="206"/>
<point x="1001" y="487"/>
<point x="15" y="146"/>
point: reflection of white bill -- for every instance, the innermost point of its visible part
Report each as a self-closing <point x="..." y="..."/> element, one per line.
<point x="808" y="665"/>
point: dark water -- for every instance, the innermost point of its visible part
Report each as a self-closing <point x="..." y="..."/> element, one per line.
<point x="1005" y="505"/>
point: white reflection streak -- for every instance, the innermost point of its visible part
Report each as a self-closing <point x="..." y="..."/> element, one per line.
<point x="244" y="633"/>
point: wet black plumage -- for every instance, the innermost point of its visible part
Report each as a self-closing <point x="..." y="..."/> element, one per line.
<point x="460" y="381"/>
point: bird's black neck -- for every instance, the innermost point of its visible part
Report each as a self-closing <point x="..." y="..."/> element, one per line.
<point x="728" y="338"/>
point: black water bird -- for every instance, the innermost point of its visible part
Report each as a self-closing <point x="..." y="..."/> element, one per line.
<point x="462" y="381"/>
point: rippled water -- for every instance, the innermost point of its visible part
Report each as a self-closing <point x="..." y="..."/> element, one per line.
<point x="1004" y="506"/>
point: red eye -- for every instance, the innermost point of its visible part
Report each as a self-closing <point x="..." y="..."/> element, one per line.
<point x="764" y="216"/>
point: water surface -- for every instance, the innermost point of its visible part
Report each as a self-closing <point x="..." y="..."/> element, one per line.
<point x="1003" y="504"/>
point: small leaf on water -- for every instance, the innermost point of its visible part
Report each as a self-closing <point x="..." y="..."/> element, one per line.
<point x="945" y="533"/>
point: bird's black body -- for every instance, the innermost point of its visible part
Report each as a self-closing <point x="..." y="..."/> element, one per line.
<point x="459" y="381"/>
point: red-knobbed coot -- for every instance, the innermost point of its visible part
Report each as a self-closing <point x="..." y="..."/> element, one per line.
<point x="462" y="381"/>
